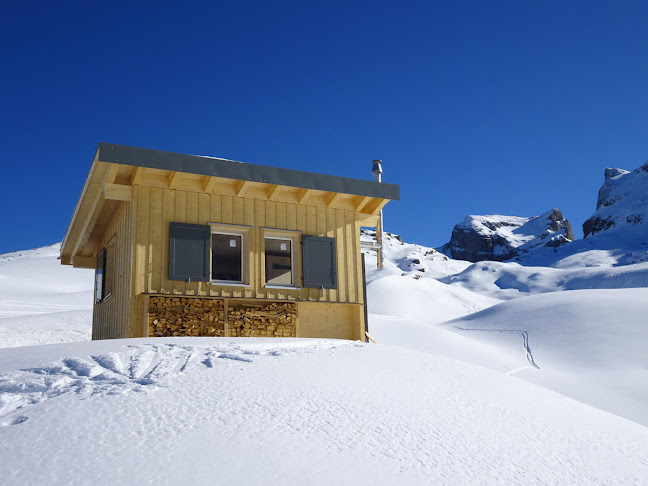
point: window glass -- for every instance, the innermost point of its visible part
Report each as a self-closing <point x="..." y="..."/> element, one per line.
<point x="99" y="275"/>
<point x="278" y="261"/>
<point x="227" y="261"/>
<point x="109" y="275"/>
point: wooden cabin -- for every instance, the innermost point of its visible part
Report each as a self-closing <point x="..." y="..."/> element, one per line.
<point x="185" y="245"/>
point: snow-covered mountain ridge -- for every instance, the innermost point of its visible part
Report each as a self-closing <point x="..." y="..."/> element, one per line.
<point x="618" y="225"/>
<point x="499" y="238"/>
<point x="622" y="205"/>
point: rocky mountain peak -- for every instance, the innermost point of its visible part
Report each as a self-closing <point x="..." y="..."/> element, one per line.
<point x="622" y="203"/>
<point x="611" y="173"/>
<point x="499" y="238"/>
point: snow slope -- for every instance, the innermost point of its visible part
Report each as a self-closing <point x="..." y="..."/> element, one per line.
<point x="254" y="411"/>
<point x="409" y="277"/>
<point x="586" y="344"/>
<point x="424" y="300"/>
<point x="563" y="326"/>
<point x="512" y="280"/>
<point x="34" y="283"/>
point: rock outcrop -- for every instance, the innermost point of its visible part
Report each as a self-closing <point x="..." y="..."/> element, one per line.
<point x="499" y="238"/>
<point x="622" y="204"/>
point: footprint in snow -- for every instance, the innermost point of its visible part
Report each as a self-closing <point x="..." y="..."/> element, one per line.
<point x="136" y="369"/>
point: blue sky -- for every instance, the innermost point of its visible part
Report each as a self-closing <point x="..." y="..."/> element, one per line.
<point x="475" y="107"/>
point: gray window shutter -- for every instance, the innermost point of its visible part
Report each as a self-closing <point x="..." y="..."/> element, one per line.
<point x="189" y="252"/>
<point x="319" y="262"/>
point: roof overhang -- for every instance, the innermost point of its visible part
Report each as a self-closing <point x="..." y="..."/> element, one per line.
<point x="117" y="168"/>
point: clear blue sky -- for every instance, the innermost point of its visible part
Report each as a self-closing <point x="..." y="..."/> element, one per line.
<point x="475" y="107"/>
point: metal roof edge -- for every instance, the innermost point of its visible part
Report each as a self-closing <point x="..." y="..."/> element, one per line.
<point x="208" y="166"/>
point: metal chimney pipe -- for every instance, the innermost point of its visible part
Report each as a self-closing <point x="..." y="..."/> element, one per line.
<point x="376" y="171"/>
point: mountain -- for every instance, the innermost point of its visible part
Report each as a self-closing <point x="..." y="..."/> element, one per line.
<point x="500" y="238"/>
<point x="622" y="205"/>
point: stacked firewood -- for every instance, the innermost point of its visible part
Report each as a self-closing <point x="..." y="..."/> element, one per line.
<point x="179" y="316"/>
<point x="277" y="319"/>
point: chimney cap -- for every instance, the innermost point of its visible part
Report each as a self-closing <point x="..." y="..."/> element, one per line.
<point x="376" y="167"/>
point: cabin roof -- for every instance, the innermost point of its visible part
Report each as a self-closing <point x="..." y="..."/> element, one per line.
<point x="229" y="169"/>
<point x="117" y="169"/>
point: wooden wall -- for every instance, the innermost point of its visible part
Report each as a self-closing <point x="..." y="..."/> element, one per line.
<point x="110" y="319"/>
<point x="331" y="321"/>
<point x="154" y="208"/>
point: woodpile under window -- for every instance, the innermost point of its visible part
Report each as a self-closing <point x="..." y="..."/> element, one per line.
<point x="182" y="316"/>
<point x="276" y="319"/>
<point x="179" y="316"/>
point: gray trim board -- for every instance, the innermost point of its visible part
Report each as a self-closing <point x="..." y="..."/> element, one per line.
<point x="195" y="164"/>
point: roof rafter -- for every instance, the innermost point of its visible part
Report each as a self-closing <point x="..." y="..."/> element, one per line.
<point x="208" y="183"/>
<point x="332" y="198"/>
<point x="241" y="188"/>
<point x="273" y="192"/>
<point x="303" y="195"/>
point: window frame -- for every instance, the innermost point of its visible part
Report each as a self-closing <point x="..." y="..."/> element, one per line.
<point x="295" y="257"/>
<point x="99" y="292"/>
<point x="232" y="230"/>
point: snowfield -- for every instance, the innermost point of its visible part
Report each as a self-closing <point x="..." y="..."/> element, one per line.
<point x="42" y="301"/>
<point x="486" y="373"/>
<point x="587" y="344"/>
<point x="255" y="411"/>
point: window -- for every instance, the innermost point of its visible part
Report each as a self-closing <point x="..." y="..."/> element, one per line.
<point x="230" y="254"/>
<point x="281" y="263"/>
<point x="105" y="273"/>
<point x="278" y="261"/>
<point x="227" y="257"/>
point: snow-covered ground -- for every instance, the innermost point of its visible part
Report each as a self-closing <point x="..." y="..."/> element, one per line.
<point x="585" y="326"/>
<point x="254" y="411"/>
<point x="512" y="280"/>
<point x="487" y="401"/>
<point x="42" y="301"/>
<point x="585" y="344"/>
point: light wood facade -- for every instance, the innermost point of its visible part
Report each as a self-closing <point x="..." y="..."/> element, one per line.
<point x="130" y="208"/>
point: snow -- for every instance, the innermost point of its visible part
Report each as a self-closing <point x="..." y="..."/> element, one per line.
<point x="424" y="300"/>
<point x="254" y="411"/>
<point x="406" y="259"/>
<point x="34" y="283"/>
<point x="509" y="235"/>
<point x="511" y="280"/>
<point x="622" y="201"/>
<point x="516" y="230"/>
<point x="586" y="344"/>
<point x="438" y="401"/>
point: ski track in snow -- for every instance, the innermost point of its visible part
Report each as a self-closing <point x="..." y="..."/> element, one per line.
<point x="525" y="343"/>
<point x="137" y="369"/>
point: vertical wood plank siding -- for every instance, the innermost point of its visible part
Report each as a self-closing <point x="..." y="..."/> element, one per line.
<point x="110" y="319"/>
<point x="155" y="208"/>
